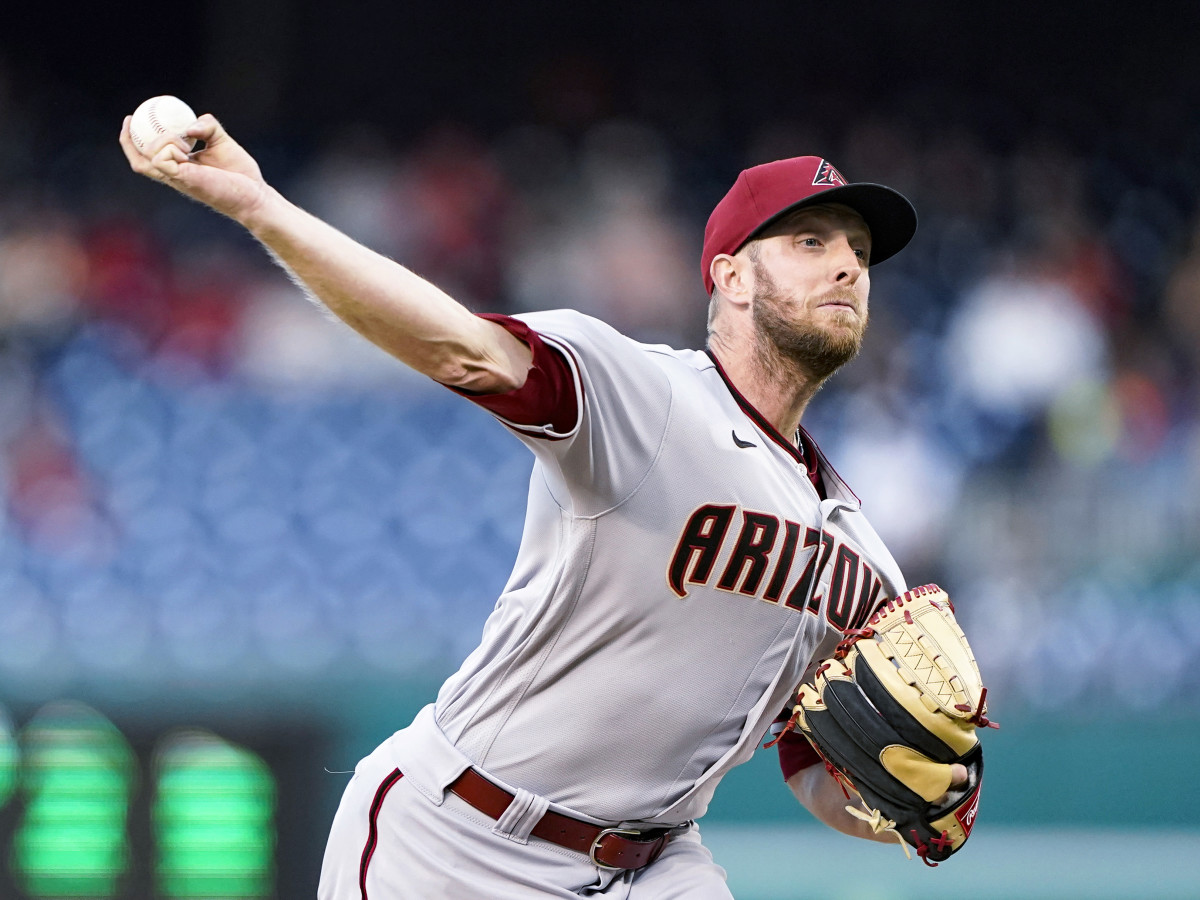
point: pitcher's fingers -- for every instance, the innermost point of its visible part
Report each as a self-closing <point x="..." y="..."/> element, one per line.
<point x="167" y="158"/>
<point x="156" y="145"/>
<point x="136" y="160"/>
<point x="959" y="778"/>
<point x="208" y="129"/>
<point x="144" y="163"/>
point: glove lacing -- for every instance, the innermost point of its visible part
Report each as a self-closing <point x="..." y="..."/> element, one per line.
<point x="979" y="718"/>
<point x="879" y="824"/>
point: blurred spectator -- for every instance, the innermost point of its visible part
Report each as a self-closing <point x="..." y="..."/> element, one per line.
<point x="450" y="208"/>
<point x="43" y="272"/>
<point x="129" y="278"/>
<point x="1020" y="338"/>
<point x="617" y="252"/>
<point x="441" y="209"/>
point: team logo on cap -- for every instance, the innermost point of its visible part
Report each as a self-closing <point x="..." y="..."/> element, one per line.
<point x="827" y="174"/>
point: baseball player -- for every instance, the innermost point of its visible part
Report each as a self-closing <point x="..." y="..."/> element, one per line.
<point x="688" y="551"/>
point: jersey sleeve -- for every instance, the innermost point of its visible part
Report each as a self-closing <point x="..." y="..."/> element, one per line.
<point x="795" y="752"/>
<point x="547" y="405"/>
<point x="595" y="412"/>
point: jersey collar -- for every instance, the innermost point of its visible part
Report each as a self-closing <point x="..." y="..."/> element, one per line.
<point x="761" y="421"/>
<point x="813" y="460"/>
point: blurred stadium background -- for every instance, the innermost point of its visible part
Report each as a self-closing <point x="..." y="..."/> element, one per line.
<point x="238" y="547"/>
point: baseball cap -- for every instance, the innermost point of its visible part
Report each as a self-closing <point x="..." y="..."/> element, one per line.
<point x="764" y="193"/>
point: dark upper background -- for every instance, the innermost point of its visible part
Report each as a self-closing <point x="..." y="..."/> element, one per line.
<point x="702" y="70"/>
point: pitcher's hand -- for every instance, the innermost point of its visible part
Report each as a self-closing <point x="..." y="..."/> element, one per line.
<point x="222" y="175"/>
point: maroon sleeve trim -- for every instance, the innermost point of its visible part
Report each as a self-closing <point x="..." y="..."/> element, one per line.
<point x="548" y="403"/>
<point x="795" y="754"/>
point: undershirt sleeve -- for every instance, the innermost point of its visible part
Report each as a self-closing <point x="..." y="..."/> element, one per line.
<point x="795" y="752"/>
<point x="547" y="397"/>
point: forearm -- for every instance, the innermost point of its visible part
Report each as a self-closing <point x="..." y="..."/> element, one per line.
<point x="822" y="796"/>
<point x="389" y="305"/>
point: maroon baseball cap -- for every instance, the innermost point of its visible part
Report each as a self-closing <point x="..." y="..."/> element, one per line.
<point x="764" y="193"/>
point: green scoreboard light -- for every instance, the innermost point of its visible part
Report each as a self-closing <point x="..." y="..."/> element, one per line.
<point x="76" y="778"/>
<point x="214" y="819"/>
<point x="157" y="808"/>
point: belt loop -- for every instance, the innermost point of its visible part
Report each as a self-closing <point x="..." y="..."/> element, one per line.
<point x="522" y="814"/>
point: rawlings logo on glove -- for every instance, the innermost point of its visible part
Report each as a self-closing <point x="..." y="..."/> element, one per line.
<point x="892" y="710"/>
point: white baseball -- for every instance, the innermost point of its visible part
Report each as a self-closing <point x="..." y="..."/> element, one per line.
<point x="158" y="116"/>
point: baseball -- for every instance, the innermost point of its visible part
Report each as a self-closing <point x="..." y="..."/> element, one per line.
<point x="157" y="116"/>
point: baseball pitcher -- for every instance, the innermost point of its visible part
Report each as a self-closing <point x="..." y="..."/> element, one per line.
<point x="694" y="577"/>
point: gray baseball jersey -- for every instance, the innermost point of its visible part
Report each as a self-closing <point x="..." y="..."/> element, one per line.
<point x="677" y="575"/>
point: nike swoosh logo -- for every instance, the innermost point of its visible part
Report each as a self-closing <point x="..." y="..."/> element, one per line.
<point x="743" y="444"/>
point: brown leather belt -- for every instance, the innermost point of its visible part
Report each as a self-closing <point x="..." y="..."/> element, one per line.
<point x="612" y="848"/>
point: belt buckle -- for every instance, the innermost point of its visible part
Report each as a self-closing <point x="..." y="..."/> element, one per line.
<point x="605" y="832"/>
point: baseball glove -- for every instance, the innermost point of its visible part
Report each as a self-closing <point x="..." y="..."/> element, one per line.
<point x="891" y="710"/>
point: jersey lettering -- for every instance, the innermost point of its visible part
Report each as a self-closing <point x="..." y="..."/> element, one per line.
<point x="753" y="545"/>
<point x="842" y="586"/>
<point x="698" y="547"/>
<point x="757" y="549"/>
<point x="783" y="568"/>
<point x="799" y="593"/>
<point x="871" y="586"/>
<point x="814" y="602"/>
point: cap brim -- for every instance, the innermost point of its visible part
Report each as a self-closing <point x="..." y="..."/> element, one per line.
<point x="889" y="215"/>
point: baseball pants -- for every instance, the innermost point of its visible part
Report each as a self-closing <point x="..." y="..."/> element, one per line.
<point x="389" y="841"/>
